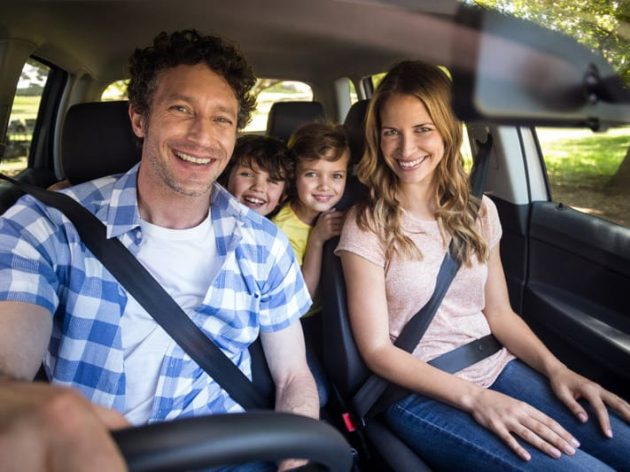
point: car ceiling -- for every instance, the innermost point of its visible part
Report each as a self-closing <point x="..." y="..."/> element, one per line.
<point x="304" y="40"/>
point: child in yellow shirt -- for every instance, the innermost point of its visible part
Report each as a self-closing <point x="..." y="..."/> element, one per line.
<point x="309" y="218"/>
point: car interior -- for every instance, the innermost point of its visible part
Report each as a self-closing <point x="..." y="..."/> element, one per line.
<point x="568" y="271"/>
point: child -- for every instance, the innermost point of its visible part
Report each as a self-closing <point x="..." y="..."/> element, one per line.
<point x="309" y="218"/>
<point x="258" y="173"/>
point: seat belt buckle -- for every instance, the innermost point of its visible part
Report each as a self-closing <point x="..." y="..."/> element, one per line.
<point x="351" y="423"/>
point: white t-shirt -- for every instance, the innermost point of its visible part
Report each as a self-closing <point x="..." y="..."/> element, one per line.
<point x="184" y="262"/>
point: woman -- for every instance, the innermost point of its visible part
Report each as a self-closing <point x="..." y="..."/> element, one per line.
<point x="391" y="248"/>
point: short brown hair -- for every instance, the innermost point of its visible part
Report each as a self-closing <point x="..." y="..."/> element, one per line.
<point x="315" y="141"/>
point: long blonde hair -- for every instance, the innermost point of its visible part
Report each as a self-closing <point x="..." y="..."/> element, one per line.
<point x="456" y="208"/>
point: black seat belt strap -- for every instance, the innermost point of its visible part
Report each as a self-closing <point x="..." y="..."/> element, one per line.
<point x="409" y="337"/>
<point x="132" y="275"/>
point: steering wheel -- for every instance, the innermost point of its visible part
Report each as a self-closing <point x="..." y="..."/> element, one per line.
<point x="224" y="439"/>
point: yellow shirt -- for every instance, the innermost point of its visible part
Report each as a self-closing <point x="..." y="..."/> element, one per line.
<point x="298" y="232"/>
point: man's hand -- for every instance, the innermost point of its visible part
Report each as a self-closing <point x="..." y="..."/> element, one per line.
<point x="46" y="428"/>
<point x="295" y="387"/>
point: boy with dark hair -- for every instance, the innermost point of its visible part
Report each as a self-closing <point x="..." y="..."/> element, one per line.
<point x="259" y="173"/>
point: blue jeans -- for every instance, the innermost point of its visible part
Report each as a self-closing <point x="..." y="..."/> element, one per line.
<point x="450" y="439"/>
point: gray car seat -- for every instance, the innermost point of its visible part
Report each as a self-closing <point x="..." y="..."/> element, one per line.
<point x="342" y="361"/>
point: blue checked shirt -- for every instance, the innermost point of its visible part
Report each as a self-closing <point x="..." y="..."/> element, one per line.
<point x="259" y="287"/>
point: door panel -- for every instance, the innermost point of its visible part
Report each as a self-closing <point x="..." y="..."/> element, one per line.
<point x="577" y="291"/>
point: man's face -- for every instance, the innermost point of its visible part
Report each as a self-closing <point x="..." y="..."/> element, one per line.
<point x="189" y="131"/>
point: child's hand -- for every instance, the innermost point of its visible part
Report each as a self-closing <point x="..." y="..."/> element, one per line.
<point x="329" y="224"/>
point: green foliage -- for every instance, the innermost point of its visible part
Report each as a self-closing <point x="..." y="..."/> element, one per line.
<point x="602" y="25"/>
<point x="116" y="91"/>
<point x="591" y="159"/>
<point x="24" y="107"/>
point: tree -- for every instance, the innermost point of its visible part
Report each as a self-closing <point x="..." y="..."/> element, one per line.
<point x="602" y="25"/>
<point x="262" y="84"/>
<point x="619" y="182"/>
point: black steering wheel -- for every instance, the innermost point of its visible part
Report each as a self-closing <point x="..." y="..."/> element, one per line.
<point x="224" y="439"/>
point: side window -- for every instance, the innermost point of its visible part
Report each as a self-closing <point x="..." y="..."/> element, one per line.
<point x="354" y="96"/>
<point x="588" y="171"/>
<point x="23" y="117"/>
<point x="269" y="91"/>
<point x="466" y="151"/>
<point x="115" y="91"/>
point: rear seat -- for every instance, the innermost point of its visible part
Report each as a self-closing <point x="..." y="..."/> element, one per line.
<point x="97" y="141"/>
<point x="286" y="117"/>
<point x="354" y="124"/>
<point x="342" y="360"/>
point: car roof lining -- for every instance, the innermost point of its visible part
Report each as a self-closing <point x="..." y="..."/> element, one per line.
<point x="318" y="42"/>
<point x="281" y="38"/>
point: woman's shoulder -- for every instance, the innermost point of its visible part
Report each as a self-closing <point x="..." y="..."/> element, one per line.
<point x="489" y="218"/>
<point x="357" y="224"/>
<point x="359" y="220"/>
<point x="360" y="239"/>
<point x="488" y="209"/>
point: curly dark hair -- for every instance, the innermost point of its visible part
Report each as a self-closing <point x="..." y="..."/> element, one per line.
<point x="190" y="47"/>
<point x="268" y="153"/>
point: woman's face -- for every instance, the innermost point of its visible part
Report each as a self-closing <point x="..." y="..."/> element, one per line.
<point x="410" y="142"/>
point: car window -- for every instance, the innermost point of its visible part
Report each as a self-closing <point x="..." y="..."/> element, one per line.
<point x="267" y="92"/>
<point x="589" y="171"/>
<point x="354" y="97"/>
<point x="115" y="91"/>
<point x="23" y="117"/>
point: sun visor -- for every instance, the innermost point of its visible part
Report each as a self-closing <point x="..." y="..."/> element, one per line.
<point x="510" y="71"/>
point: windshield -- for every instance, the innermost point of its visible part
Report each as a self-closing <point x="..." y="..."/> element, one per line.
<point x="601" y="25"/>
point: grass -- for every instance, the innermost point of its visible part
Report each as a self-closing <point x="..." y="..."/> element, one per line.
<point x="25" y="107"/>
<point x="580" y="165"/>
<point x="583" y="159"/>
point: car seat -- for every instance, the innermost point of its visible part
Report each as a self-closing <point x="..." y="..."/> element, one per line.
<point x="343" y="363"/>
<point x="286" y="117"/>
<point x="97" y="140"/>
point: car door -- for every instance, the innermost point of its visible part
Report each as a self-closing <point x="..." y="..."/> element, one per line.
<point x="566" y="244"/>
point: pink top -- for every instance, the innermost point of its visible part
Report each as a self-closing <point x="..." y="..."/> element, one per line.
<point x="409" y="284"/>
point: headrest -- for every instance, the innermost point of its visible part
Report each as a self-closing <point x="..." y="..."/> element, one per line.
<point x="354" y="125"/>
<point x="97" y="141"/>
<point x="287" y="117"/>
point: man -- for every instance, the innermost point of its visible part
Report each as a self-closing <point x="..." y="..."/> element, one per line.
<point x="228" y="268"/>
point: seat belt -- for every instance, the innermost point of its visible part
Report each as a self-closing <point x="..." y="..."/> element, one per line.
<point x="132" y="275"/>
<point x="377" y="393"/>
